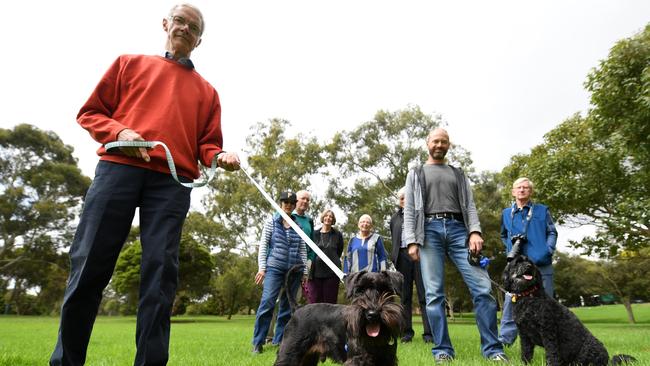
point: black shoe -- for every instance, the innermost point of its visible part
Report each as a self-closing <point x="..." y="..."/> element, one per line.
<point x="257" y="349"/>
<point x="427" y="338"/>
<point x="407" y="339"/>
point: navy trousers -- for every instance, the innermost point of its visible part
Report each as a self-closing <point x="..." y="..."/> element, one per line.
<point x="108" y="212"/>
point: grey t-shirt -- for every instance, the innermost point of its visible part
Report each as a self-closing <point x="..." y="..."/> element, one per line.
<point x="442" y="189"/>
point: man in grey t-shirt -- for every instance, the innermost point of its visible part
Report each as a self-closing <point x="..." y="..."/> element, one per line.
<point x="440" y="220"/>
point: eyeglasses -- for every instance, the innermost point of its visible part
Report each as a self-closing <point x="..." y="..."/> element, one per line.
<point x="180" y="21"/>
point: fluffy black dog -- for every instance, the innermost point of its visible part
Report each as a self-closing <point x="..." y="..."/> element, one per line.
<point x="544" y="322"/>
<point x="363" y="333"/>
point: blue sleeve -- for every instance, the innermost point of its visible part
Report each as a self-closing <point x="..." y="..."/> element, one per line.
<point x="381" y="251"/>
<point x="381" y="255"/>
<point x="551" y="232"/>
<point x="504" y="230"/>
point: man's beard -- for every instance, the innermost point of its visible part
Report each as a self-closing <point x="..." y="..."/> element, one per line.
<point x="438" y="154"/>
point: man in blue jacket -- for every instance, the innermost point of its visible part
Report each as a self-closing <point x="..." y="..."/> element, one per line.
<point x="532" y="224"/>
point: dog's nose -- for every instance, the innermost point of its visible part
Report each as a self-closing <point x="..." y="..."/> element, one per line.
<point x="372" y="315"/>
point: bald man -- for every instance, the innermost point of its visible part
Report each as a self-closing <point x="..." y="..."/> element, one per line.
<point x="440" y="219"/>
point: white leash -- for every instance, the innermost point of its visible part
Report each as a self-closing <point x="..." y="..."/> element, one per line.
<point x="297" y="229"/>
<point x="211" y="172"/>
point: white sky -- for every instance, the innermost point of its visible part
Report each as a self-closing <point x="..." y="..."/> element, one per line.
<point x="501" y="73"/>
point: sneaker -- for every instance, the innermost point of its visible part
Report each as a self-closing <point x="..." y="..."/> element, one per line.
<point x="443" y="358"/>
<point x="499" y="357"/>
<point x="257" y="349"/>
<point x="407" y="339"/>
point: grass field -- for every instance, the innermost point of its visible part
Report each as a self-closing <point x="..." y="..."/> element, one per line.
<point x="217" y="341"/>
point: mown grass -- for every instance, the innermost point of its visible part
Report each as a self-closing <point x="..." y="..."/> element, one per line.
<point x="217" y="341"/>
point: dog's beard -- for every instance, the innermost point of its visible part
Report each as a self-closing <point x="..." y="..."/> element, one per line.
<point x="377" y="319"/>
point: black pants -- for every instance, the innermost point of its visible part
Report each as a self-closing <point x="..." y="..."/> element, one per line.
<point x="106" y="219"/>
<point x="411" y="272"/>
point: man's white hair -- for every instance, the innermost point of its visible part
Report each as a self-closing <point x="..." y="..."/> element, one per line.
<point x="186" y="5"/>
<point x="521" y="180"/>
<point x="302" y="193"/>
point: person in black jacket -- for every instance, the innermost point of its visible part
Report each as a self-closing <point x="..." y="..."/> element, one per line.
<point x="411" y="272"/>
<point x="323" y="283"/>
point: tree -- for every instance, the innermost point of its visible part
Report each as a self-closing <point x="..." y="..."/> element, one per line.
<point x="373" y="160"/>
<point x="195" y="270"/>
<point x="620" y="89"/>
<point x="574" y="277"/>
<point x="277" y="163"/>
<point x="489" y="204"/>
<point x="41" y="189"/>
<point x="594" y="169"/>
<point x="126" y="277"/>
<point x="626" y="276"/>
<point x="235" y="288"/>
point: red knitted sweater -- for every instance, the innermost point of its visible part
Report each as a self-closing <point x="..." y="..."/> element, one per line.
<point x="161" y="100"/>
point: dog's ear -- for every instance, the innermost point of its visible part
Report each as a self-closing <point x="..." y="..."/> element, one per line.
<point x="396" y="280"/>
<point x="351" y="282"/>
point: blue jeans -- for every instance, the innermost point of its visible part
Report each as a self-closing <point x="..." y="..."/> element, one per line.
<point x="448" y="237"/>
<point x="273" y="283"/>
<point x="508" y="331"/>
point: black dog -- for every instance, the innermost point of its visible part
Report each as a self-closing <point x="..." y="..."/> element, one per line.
<point x="544" y="322"/>
<point x="363" y="333"/>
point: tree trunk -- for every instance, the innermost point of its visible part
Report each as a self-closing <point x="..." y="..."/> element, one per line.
<point x="628" y="308"/>
<point x="450" y="308"/>
<point x="15" y="296"/>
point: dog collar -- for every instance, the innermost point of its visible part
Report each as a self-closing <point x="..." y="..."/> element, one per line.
<point x="525" y="293"/>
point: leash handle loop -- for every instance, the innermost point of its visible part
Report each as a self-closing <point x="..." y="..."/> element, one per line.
<point x="170" y="159"/>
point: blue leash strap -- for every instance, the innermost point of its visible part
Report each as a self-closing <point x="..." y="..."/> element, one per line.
<point x="170" y="159"/>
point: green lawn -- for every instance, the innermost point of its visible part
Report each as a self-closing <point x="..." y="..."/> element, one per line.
<point x="217" y="341"/>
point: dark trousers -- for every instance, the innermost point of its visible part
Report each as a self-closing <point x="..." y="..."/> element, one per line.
<point x="324" y="289"/>
<point x="105" y="222"/>
<point x="411" y="272"/>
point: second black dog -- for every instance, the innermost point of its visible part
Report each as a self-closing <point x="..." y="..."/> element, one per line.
<point x="544" y="322"/>
<point x="363" y="333"/>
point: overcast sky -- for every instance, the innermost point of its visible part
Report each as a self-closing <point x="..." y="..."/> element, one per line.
<point x="500" y="73"/>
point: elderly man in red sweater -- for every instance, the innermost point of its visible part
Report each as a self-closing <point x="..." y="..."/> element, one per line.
<point x="140" y="98"/>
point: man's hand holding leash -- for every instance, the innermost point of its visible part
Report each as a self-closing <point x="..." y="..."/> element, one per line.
<point x="128" y="134"/>
<point x="475" y="243"/>
<point x="228" y="161"/>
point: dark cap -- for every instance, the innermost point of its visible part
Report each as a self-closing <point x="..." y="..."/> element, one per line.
<point x="288" y="196"/>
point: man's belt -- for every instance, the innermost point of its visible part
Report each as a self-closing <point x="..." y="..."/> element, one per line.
<point x="445" y="215"/>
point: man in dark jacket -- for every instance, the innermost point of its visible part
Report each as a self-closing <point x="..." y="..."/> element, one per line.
<point x="411" y="272"/>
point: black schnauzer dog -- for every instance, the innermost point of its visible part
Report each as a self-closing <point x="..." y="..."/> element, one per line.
<point x="363" y="333"/>
<point x="544" y="322"/>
